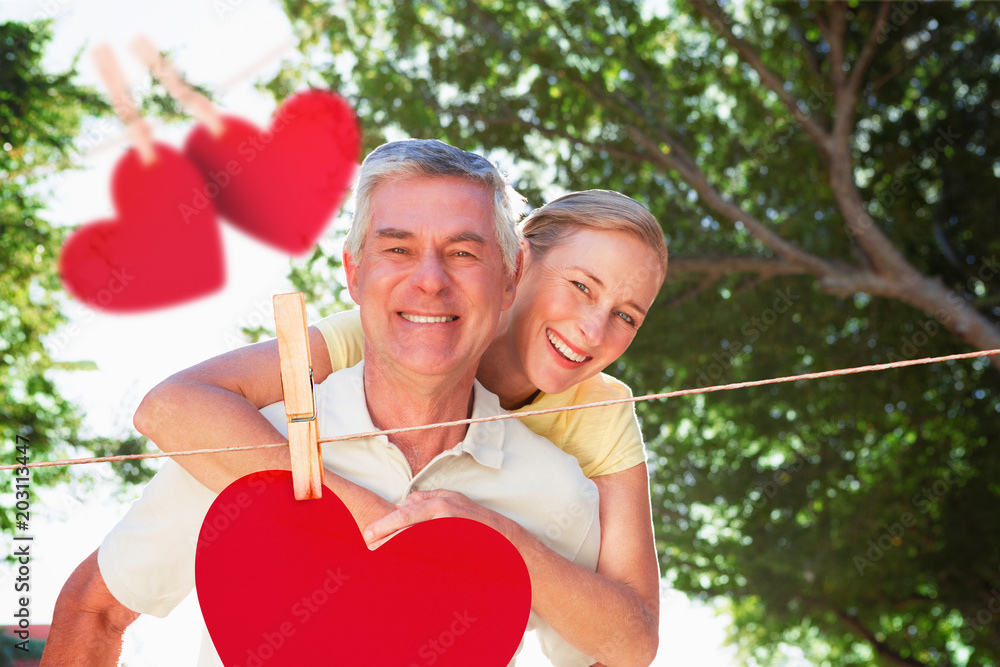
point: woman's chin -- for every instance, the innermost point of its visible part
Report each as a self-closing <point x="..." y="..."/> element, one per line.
<point x="557" y="383"/>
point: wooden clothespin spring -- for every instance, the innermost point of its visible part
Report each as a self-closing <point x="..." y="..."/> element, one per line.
<point x="300" y="398"/>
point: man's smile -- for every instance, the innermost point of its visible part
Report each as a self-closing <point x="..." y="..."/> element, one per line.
<point x="428" y="319"/>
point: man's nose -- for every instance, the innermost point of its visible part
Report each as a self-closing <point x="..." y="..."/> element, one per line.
<point x="430" y="275"/>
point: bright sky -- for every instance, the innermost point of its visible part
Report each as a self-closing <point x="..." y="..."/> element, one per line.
<point x="227" y="45"/>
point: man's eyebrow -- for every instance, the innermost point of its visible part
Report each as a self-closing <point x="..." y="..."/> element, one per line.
<point x="467" y="237"/>
<point x="392" y="233"/>
<point x="401" y="234"/>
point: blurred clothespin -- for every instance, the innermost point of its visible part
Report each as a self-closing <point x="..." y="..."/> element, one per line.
<point x="300" y="400"/>
<point x="139" y="134"/>
<point x="190" y="99"/>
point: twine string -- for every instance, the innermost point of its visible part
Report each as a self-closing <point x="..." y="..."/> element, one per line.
<point x="528" y="413"/>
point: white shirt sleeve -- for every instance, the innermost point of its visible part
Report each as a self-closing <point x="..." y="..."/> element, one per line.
<point x="147" y="560"/>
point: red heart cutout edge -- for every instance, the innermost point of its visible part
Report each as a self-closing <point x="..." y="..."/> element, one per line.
<point x="282" y="185"/>
<point x="154" y="254"/>
<point x="287" y="582"/>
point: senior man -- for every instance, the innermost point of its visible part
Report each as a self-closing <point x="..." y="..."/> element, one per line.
<point x="437" y="266"/>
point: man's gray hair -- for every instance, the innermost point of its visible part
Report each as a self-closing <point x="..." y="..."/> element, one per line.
<point x="429" y="157"/>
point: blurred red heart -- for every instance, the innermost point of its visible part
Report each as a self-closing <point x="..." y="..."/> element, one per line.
<point x="282" y="185"/>
<point x="160" y="251"/>
<point x="283" y="582"/>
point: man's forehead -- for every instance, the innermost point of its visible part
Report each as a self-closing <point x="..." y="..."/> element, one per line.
<point x="444" y="186"/>
<point x="449" y="206"/>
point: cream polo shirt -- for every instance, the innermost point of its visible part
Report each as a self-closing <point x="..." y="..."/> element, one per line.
<point x="147" y="560"/>
<point x="603" y="440"/>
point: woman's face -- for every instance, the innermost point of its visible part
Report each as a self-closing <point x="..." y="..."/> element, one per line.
<point x="579" y="306"/>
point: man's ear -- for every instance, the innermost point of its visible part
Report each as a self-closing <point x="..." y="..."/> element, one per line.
<point x="523" y="255"/>
<point x="510" y="289"/>
<point x="353" y="280"/>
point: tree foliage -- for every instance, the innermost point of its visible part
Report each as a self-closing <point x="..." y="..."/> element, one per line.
<point x="826" y="176"/>
<point x="40" y="117"/>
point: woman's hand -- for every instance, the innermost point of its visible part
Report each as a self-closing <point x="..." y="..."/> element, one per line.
<point x="611" y="615"/>
<point x="421" y="506"/>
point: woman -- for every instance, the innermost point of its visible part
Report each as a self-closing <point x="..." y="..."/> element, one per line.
<point x="592" y="265"/>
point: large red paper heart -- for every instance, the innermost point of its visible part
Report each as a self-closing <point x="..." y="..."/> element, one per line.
<point x="283" y="582"/>
<point x="284" y="184"/>
<point x="158" y="252"/>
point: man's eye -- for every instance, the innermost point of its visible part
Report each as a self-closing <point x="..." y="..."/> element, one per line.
<point x="580" y="286"/>
<point x="398" y="250"/>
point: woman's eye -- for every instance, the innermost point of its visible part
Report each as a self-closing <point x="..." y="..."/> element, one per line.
<point x="580" y="286"/>
<point x="625" y="316"/>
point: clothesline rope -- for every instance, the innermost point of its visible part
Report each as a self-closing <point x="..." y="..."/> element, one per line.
<point x="530" y="413"/>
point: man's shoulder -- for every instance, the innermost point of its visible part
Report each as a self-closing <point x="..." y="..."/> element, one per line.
<point x="340" y="402"/>
<point x="349" y="380"/>
<point x="340" y="405"/>
<point x="542" y="488"/>
<point x="530" y="455"/>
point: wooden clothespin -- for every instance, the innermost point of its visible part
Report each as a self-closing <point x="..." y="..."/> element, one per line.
<point x="190" y="99"/>
<point x="139" y="134"/>
<point x="300" y="401"/>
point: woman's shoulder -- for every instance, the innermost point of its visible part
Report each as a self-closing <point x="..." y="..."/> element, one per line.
<point x="340" y="322"/>
<point x="604" y="439"/>
<point x="600" y="387"/>
<point x="345" y="339"/>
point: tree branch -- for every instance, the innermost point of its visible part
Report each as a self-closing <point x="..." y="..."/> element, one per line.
<point x="892" y="275"/>
<point x="551" y="133"/>
<point x="926" y="294"/>
<point x="807" y="49"/>
<point x="688" y="294"/>
<point x="848" y="90"/>
<point x="816" y="132"/>
<point x="901" y="65"/>
<point x="561" y="25"/>
<point x="880" y="647"/>
<point x="860" y="67"/>
<point x="725" y="265"/>
<point x="835" y="37"/>
<point x="884" y="256"/>
<point x="715" y="201"/>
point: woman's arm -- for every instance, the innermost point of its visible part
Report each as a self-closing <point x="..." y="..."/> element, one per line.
<point x="611" y="615"/>
<point x="216" y="404"/>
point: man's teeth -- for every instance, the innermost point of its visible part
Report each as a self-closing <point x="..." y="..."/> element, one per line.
<point x="420" y="319"/>
<point x="563" y="349"/>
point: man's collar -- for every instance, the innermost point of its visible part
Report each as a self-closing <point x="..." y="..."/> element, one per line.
<point x="483" y="440"/>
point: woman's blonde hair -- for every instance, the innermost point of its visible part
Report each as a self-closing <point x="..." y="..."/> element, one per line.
<point x="548" y="225"/>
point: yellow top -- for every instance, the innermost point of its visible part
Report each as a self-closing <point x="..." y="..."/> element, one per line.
<point x="603" y="440"/>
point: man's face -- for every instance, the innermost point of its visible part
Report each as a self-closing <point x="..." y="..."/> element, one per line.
<point x="430" y="280"/>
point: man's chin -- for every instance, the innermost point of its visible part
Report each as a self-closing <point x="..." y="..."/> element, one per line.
<point x="434" y="364"/>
